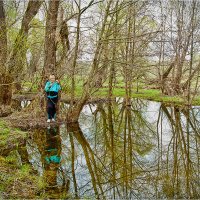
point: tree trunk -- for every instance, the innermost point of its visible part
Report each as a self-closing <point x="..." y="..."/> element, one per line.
<point x="3" y="38"/>
<point x="5" y="89"/>
<point x="73" y="86"/>
<point x="5" y="79"/>
<point x="112" y="68"/>
<point x="18" y="57"/>
<point x="50" y="40"/>
<point x="50" y="49"/>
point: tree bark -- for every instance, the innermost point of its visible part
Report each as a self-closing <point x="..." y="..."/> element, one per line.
<point x="73" y="86"/>
<point x="112" y="68"/>
<point x="18" y="57"/>
<point x="5" y="79"/>
<point x="3" y="38"/>
<point x="11" y="71"/>
<point x="50" y="40"/>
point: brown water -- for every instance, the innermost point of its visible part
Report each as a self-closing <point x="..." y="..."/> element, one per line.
<point x="145" y="150"/>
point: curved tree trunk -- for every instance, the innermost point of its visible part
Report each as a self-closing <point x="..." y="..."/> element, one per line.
<point x="18" y="57"/>
<point x="11" y="71"/>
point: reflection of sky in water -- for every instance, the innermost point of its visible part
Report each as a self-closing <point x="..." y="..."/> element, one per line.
<point x="86" y="120"/>
<point x="164" y="127"/>
<point x="25" y="103"/>
<point x="82" y="173"/>
<point x="150" y="112"/>
<point x="34" y="156"/>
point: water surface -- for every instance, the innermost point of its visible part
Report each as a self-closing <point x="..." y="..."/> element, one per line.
<point x="145" y="150"/>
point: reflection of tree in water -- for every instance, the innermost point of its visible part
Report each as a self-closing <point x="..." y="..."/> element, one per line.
<point x="75" y="131"/>
<point x="129" y="157"/>
<point x="123" y="154"/>
<point x="111" y="154"/>
<point x="49" y="145"/>
<point x="178" y="165"/>
<point x="126" y="134"/>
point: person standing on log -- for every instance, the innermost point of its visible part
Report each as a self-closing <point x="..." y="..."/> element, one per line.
<point x="52" y="88"/>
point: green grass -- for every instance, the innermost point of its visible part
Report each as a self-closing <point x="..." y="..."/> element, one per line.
<point x="119" y="91"/>
<point x="17" y="181"/>
<point x="149" y="94"/>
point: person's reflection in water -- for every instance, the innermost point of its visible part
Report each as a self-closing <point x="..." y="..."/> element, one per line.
<point x="52" y="161"/>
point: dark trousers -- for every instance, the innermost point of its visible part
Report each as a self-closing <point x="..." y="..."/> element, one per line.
<point x="51" y="107"/>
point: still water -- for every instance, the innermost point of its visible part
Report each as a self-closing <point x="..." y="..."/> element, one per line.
<point x="145" y="150"/>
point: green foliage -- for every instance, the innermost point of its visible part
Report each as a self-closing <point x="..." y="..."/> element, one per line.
<point x="12" y="159"/>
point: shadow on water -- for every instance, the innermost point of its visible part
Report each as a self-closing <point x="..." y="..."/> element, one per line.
<point x="144" y="150"/>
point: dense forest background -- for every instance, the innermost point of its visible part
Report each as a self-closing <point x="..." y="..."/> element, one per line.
<point x="93" y="45"/>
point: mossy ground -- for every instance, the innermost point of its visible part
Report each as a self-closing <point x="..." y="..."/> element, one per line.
<point x="16" y="180"/>
<point x="10" y="135"/>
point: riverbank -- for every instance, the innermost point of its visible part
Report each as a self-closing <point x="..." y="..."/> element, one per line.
<point x="144" y="93"/>
<point x="148" y="94"/>
<point x="141" y="90"/>
<point x="34" y="117"/>
<point x="17" y="177"/>
<point x="156" y="95"/>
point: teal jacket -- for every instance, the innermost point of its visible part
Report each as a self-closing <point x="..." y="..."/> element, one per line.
<point x="52" y="91"/>
<point x="53" y="159"/>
